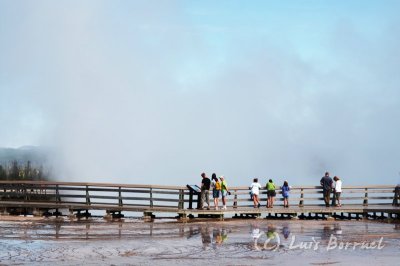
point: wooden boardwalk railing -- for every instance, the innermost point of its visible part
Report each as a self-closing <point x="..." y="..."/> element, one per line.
<point x="74" y="196"/>
<point x="312" y="196"/>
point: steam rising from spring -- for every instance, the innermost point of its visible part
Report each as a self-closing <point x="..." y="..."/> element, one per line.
<point x="153" y="92"/>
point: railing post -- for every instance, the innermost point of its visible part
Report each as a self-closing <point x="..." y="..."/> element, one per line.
<point x="181" y="199"/>
<point x="25" y="192"/>
<point x="120" y="203"/>
<point x="151" y="197"/>
<point x="365" y="203"/>
<point x="87" y="196"/>
<point x="235" y="199"/>
<point x="58" y="199"/>
<point x="396" y="196"/>
<point x="3" y="193"/>
<point x="190" y="199"/>
<point x="301" y="203"/>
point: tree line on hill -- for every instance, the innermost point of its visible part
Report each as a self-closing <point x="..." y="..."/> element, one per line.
<point x="15" y="170"/>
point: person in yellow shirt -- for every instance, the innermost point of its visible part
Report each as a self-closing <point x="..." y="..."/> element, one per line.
<point x="224" y="191"/>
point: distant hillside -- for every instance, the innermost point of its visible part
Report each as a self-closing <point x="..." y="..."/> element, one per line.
<point x="24" y="163"/>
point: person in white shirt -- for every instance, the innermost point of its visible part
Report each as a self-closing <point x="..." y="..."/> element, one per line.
<point x="255" y="191"/>
<point x="338" y="190"/>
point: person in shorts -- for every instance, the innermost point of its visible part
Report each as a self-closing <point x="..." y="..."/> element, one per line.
<point x="216" y="189"/>
<point x="255" y="191"/>
<point x="224" y="191"/>
<point x="271" y="193"/>
<point x="285" y="194"/>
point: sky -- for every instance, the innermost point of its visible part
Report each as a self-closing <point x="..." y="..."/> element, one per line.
<point x="157" y="92"/>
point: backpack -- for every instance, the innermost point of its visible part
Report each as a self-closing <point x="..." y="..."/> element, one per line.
<point x="218" y="185"/>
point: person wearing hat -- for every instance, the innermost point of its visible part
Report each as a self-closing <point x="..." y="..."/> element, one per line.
<point x="224" y="191"/>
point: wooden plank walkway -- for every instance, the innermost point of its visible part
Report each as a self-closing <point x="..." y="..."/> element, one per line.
<point x="27" y="197"/>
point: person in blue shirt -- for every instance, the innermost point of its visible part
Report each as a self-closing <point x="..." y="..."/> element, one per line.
<point x="285" y="194"/>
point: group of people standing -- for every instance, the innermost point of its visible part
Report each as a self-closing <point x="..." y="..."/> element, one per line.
<point x="219" y="187"/>
<point x="328" y="186"/>
<point x="271" y="193"/>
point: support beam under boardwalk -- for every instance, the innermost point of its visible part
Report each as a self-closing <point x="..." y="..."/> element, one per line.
<point x="148" y="216"/>
<point x="113" y="215"/>
<point x="79" y="214"/>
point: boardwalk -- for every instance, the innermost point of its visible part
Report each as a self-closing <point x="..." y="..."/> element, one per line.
<point x="78" y="199"/>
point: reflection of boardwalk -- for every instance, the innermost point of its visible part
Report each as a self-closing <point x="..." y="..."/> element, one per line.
<point x="52" y="198"/>
<point x="349" y="211"/>
<point x="132" y="242"/>
<point x="96" y="229"/>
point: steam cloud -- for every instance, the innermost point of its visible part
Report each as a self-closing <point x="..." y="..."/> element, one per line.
<point x="143" y="93"/>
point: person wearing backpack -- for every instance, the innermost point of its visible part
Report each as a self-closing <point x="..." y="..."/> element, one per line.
<point x="216" y="189"/>
<point x="255" y="191"/>
<point x="271" y="194"/>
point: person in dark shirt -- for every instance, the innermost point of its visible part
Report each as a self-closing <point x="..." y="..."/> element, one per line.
<point x="326" y="183"/>
<point x="205" y="190"/>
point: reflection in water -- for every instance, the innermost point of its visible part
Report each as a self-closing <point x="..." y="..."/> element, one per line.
<point x="286" y="231"/>
<point x="210" y="233"/>
<point x="205" y="236"/>
<point x="255" y="234"/>
<point x="268" y="238"/>
<point x="326" y="232"/>
<point x="215" y="233"/>
<point x="218" y="232"/>
<point x="337" y="229"/>
<point x="255" y="239"/>
<point x="220" y="235"/>
<point x="270" y="232"/>
<point x="193" y="231"/>
<point x="329" y="230"/>
<point x="58" y="229"/>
